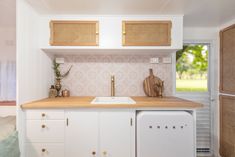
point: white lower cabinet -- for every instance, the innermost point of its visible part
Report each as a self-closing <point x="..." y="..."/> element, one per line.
<point x="45" y="130"/>
<point x="44" y="150"/>
<point x="81" y="134"/>
<point x="100" y="134"/>
<point x="116" y="134"/>
<point x="105" y="133"/>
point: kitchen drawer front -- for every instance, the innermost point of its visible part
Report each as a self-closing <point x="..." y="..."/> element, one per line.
<point x="45" y="114"/>
<point x="45" y="131"/>
<point x="44" y="150"/>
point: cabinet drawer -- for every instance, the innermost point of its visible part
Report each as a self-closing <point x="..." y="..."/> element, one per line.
<point x="45" y="131"/>
<point x="45" y="114"/>
<point x="44" y="150"/>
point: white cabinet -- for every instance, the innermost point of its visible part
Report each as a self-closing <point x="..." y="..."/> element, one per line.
<point x="85" y="133"/>
<point x="45" y="130"/>
<point x="110" y="35"/>
<point x="45" y="133"/>
<point x="44" y="150"/>
<point x="101" y="134"/>
<point x="81" y="134"/>
<point x="105" y="133"/>
<point x="45" y="114"/>
<point x="116" y="134"/>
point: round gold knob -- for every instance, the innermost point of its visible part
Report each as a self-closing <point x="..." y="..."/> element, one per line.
<point x="104" y="153"/>
<point x="43" y="126"/>
<point x="43" y="150"/>
<point x="93" y="153"/>
<point x="43" y="114"/>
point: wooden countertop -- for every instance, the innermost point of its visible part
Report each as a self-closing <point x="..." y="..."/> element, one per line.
<point x="84" y="102"/>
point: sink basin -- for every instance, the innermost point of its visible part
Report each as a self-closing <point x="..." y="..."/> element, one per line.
<point x="113" y="100"/>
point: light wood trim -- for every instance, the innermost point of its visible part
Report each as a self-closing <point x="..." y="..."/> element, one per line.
<point x="52" y="40"/>
<point x="85" y="102"/>
<point x="125" y="43"/>
<point x="221" y="88"/>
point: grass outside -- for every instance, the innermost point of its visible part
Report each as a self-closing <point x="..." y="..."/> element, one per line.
<point x="191" y="85"/>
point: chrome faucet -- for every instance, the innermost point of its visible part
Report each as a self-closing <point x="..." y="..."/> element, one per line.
<point x="112" y="85"/>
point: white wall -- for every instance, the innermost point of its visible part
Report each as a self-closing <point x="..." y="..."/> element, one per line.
<point x="33" y="65"/>
<point x="198" y="33"/>
<point x="34" y="72"/>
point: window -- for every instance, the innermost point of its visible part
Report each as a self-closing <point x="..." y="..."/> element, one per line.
<point x="7" y="80"/>
<point x="192" y="68"/>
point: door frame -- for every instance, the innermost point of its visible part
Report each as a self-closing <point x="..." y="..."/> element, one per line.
<point x="213" y="92"/>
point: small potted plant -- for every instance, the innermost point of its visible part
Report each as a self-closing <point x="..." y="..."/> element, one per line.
<point x="59" y="76"/>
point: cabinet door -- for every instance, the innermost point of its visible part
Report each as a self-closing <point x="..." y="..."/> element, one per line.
<point x="227" y="60"/>
<point x="227" y="126"/>
<point x="81" y="137"/>
<point x="117" y="134"/>
<point x="146" y="33"/>
<point x="74" y="33"/>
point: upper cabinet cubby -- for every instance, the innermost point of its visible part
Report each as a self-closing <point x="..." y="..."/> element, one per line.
<point x="146" y="33"/>
<point x="110" y="34"/>
<point x="74" y="33"/>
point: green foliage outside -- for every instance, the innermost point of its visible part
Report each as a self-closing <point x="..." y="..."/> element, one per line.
<point x="191" y="68"/>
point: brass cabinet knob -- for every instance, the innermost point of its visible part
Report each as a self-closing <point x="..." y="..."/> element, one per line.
<point x="93" y="153"/>
<point x="104" y="153"/>
<point x="43" y="114"/>
<point x="43" y="126"/>
<point x="43" y="150"/>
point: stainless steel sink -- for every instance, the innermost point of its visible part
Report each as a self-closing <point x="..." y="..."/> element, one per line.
<point x="113" y="100"/>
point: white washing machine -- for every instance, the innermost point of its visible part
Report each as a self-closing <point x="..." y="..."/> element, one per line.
<point x="165" y="134"/>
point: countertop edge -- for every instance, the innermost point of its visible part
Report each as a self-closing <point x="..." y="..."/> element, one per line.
<point x="84" y="103"/>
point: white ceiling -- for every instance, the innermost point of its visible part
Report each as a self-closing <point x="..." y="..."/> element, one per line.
<point x="197" y="12"/>
<point x="7" y="13"/>
<point x="201" y="13"/>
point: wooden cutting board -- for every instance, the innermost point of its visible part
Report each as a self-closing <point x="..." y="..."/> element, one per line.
<point x="149" y="85"/>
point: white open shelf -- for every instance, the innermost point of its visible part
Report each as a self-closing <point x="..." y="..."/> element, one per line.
<point x="82" y="50"/>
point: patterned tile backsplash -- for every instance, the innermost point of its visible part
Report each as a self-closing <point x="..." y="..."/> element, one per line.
<point x="91" y="74"/>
